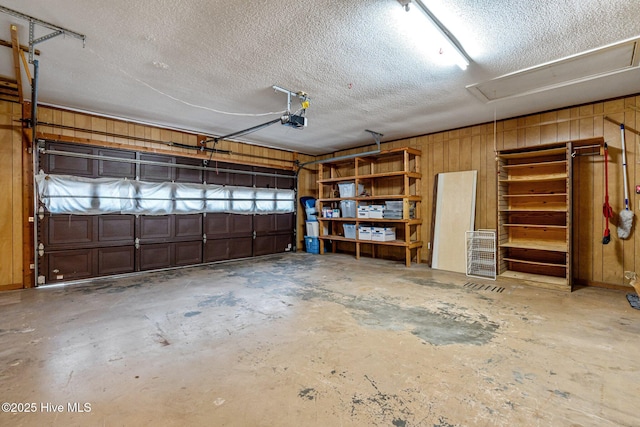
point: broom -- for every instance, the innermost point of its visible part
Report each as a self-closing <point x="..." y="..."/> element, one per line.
<point x="626" y="216"/>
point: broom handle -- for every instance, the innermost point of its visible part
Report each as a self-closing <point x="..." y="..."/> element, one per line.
<point x="624" y="168"/>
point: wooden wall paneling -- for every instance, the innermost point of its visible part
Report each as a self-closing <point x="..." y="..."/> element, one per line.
<point x="635" y="143"/>
<point x="9" y="166"/>
<point x="532" y="130"/>
<point x="510" y="134"/>
<point x="586" y="230"/>
<point x="548" y="128"/>
<point x="454" y="155"/>
<point x="629" y="252"/>
<point x="68" y="119"/>
<point x="82" y="121"/>
<point x="490" y="188"/>
<point x="99" y="125"/>
<point x="611" y="257"/>
<point x="465" y="153"/>
<point x="476" y="164"/>
<point x="109" y="126"/>
<point x="45" y="116"/>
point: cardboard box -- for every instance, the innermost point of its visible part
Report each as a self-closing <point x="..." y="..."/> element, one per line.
<point x="383" y="234"/>
<point x="364" y="233"/>
<point x="376" y="211"/>
<point x="363" y="211"/>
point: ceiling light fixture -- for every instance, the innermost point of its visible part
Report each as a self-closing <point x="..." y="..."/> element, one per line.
<point x="461" y="58"/>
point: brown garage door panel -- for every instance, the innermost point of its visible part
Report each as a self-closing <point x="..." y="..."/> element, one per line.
<point x="219" y="225"/>
<point x="69" y="265"/>
<point x="285" y="183"/>
<point x="156" y="173"/>
<point x="265" y="181"/>
<point x="67" y="230"/>
<point x="216" y="250"/>
<point x="188" y="226"/>
<point x="117" y="260"/>
<point x="64" y="165"/>
<point x="115" y="169"/>
<point x="155" y="256"/>
<point x="273" y="223"/>
<point x="264" y="223"/>
<point x="155" y="227"/>
<point x="187" y="253"/>
<point x="213" y="175"/>
<point x="284" y="242"/>
<point x="188" y="175"/>
<point x="116" y="228"/>
<point x="242" y="179"/>
<point x="264" y="245"/>
<point x="240" y="247"/>
<point x="284" y="223"/>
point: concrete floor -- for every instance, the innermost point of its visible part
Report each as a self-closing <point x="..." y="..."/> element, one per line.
<point x="308" y="340"/>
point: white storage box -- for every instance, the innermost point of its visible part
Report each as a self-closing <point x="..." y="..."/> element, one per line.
<point x="383" y="234"/>
<point x="364" y="233"/>
<point x="376" y="211"/>
<point x="349" y="231"/>
<point x="363" y="211"/>
<point x="313" y="229"/>
<point x="348" y="189"/>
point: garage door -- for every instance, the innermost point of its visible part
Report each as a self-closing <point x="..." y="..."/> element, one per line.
<point x="81" y="243"/>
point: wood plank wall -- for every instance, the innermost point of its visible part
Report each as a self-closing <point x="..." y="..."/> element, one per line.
<point x="474" y="147"/>
<point x="456" y="150"/>
<point x="11" y="221"/>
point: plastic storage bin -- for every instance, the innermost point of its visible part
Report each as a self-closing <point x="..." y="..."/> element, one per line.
<point x="313" y="228"/>
<point x="312" y="245"/>
<point x="349" y="231"/>
<point x="348" y="208"/>
<point x="348" y="189"/>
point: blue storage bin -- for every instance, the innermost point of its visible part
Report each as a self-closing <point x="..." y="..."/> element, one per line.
<point x="312" y="245"/>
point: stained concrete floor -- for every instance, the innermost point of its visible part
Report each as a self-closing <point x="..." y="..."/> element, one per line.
<point x="307" y="340"/>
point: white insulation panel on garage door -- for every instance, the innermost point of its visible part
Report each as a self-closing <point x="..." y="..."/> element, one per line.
<point x="63" y="194"/>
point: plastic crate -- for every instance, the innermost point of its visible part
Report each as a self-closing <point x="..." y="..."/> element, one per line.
<point x="312" y="245"/>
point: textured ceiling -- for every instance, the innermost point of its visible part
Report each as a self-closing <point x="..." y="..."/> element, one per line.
<point x="189" y="63"/>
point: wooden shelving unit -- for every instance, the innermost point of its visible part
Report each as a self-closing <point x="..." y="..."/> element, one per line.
<point x="534" y="215"/>
<point x="391" y="175"/>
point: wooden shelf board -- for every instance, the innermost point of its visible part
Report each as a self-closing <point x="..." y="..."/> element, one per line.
<point x="414" y="221"/>
<point x="550" y="282"/>
<point x="527" y="165"/>
<point x="411" y="198"/>
<point x="533" y="154"/>
<point x="537" y="245"/>
<point x="372" y="198"/>
<point x="522" y="261"/>
<point x="540" y="209"/>
<point x="536" y="178"/>
<point x="534" y="226"/>
<point x="535" y="195"/>
<point x="394" y="174"/>
<point x="399" y="243"/>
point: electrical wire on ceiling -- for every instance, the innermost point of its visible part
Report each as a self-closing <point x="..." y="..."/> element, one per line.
<point x="182" y="101"/>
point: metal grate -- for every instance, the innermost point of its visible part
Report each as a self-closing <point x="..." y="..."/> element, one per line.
<point x="481" y="254"/>
<point x="479" y="287"/>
